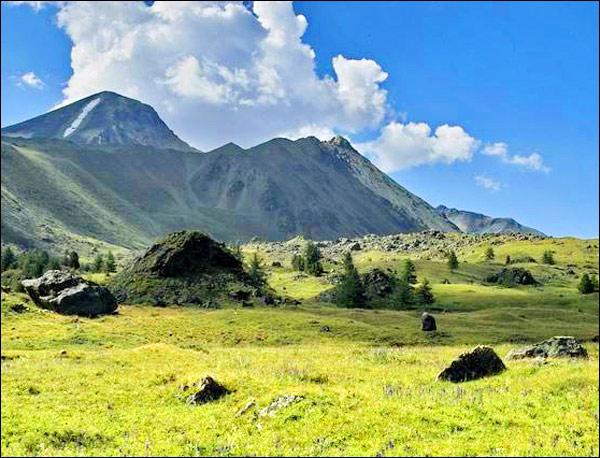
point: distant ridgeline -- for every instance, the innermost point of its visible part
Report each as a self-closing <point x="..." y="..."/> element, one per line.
<point x="108" y="169"/>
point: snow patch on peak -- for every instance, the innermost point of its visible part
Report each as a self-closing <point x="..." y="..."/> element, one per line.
<point x="81" y="116"/>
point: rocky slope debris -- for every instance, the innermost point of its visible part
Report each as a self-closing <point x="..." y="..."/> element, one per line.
<point x="69" y="294"/>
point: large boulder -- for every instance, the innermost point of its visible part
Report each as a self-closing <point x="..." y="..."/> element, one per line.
<point x="186" y="267"/>
<point x="512" y="276"/>
<point x="555" y="347"/>
<point x="428" y="322"/>
<point x="480" y="362"/>
<point x="208" y="390"/>
<point x="69" y="294"/>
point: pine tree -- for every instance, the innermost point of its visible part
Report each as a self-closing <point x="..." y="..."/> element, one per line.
<point x="489" y="254"/>
<point x="258" y="278"/>
<point x="297" y="262"/>
<point x="548" y="258"/>
<point x="409" y="272"/>
<point x="424" y="294"/>
<point x="351" y="291"/>
<point x="452" y="260"/>
<point x="109" y="263"/>
<point x="312" y="260"/>
<point x="507" y="261"/>
<point x="74" y="260"/>
<point x="8" y="259"/>
<point x="98" y="263"/>
<point x="404" y="296"/>
<point x="586" y="285"/>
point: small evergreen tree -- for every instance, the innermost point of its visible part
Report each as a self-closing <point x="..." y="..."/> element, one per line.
<point x="9" y="259"/>
<point x="507" y="261"/>
<point x="424" y="294"/>
<point x="409" y="272"/>
<point x="403" y="296"/>
<point x="586" y="284"/>
<point x="489" y="254"/>
<point x="98" y="263"/>
<point x="548" y="257"/>
<point x="452" y="260"/>
<point x="109" y="263"/>
<point x="74" y="260"/>
<point x="312" y="260"/>
<point x="297" y="262"/>
<point x="258" y="278"/>
<point x="350" y="291"/>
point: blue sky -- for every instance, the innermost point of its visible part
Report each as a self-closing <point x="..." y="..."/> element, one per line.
<point x="524" y="74"/>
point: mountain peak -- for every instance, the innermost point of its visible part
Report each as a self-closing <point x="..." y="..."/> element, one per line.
<point x="340" y="141"/>
<point x="104" y="118"/>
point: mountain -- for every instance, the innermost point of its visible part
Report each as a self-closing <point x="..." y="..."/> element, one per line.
<point x="105" y="118"/>
<point x="471" y="222"/>
<point x="142" y="182"/>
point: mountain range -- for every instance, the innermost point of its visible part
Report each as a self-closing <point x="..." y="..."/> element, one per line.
<point x="107" y="168"/>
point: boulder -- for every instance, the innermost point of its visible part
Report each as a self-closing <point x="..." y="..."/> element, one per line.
<point x="208" y="390"/>
<point x="480" y="362"/>
<point x="279" y="403"/>
<point x="512" y="276"/>
<point x="428" y="322"/>
<point x="69" y="294"/>
<point x="555" y="347"/>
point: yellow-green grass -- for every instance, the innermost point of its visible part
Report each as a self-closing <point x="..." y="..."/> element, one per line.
<point x="115" y="389"/>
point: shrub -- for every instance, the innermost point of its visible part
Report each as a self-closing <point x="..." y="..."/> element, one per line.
<point x="452" y="260"/>
<point x="548" y="257"/>
<point x="489" y="254"/>
<point x="586" y="284"/>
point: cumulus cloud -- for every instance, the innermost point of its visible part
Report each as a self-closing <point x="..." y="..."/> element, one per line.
<point x="32" y="80"/>
<point x="488" y="183"/>
<point x="401" y="146"/>
<point x="218" y="72"/>
<point x="533" y="162"/>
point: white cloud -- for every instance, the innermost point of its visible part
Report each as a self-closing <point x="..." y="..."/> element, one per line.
<point x="401" y="146"/>
<point x="216" y="72"/>
<point x="533" y="162"/>
<point x="488" y="183"/>
<point x="35" y="5"/>
<point x="496" y="149"/>
<point x="32" y="80"/>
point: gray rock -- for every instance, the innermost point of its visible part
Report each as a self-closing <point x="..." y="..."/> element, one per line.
<point x="208" y="390"/>
<point x="428" y="322"/>
<point x="480" y="362"/>
<point x="278" y="404"/>
<point x="69" y="294"/>
<point x="555" y="347"/>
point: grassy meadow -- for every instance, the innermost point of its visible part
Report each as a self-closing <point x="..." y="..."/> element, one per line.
<point x="111" y="385"/>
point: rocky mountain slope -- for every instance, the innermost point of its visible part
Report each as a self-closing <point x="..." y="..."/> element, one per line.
<point x="105" y="118"/>
<point x="477" y="223"/>
<point x="107" y="168"/>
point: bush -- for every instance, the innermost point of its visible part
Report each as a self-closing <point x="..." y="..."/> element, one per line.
<point x="489" y="254"/>
<point x="512" y="276"/>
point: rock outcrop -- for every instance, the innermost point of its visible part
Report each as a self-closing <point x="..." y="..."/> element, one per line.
<point x="69" y="294"/>
<point x="555" y="347"/>
<point x="480" y="362"/>
<point x="428" y="322"/>
<point x="512" y="276"/>
<point x="208" y="390"/>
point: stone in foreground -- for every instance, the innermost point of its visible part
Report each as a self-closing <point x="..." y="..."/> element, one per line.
<point x="428" y="322"/>
<point x="555" y="347"/>
<point x="279" y="403"/>
<point x="480" y="362"/>
<point x="69" y="294"/>
<point x="209" y="390"/>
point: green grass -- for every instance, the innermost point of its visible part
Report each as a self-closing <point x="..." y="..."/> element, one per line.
<point x="110" y="385"/>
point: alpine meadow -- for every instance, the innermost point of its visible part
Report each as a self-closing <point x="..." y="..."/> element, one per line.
<point x="299" y="229"/>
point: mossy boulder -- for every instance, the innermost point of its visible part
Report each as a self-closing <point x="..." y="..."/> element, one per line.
<point x="186" y="267"/>
<point x="512" y="276"/>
